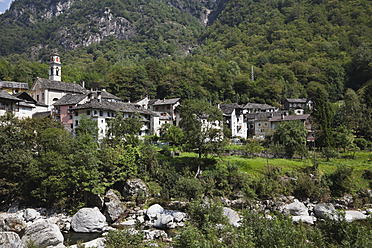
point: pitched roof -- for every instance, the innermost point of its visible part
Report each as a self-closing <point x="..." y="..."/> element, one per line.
<point x="296" y="100"/>
<point x="166" y="101"/>
<point x="70" y="99"/>
<point x="14" y="85"/>
<point x="6" y="95"/>
<point x="26" y="97"/>
<point x="258" y="106"/>
<point x="60" y="86"/>
<point x="290" y="117"/>
<point x="229" y="108"/>
<point x="114" y="106"/>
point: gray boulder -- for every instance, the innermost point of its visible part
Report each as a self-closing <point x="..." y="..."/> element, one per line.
<point x="323" y="210"/>
<point x="232" y="216"/>
<point x="351" y="215"/>
<point x="163" y="221"/>
<point x="88" y="220"/>
<point x="96" y="243"/>
<point x="13" y="223"/>
<point x="10" y="240"/>
<point x="135" y="188"/>
<point x="297" y="208"/>
<point x="153" y="211"/>
<point x="305" y="219"/>
<point x="114" y="207"/>
<point x="43" y="234"/>
<point x="154" y="234"/>
<point x="30" y="214"/>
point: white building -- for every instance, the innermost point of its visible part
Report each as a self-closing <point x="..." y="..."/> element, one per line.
<point x="234" y="120"/>
<point x="48" y="91"/>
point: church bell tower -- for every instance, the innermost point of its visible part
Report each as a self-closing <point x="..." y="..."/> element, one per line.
<point x="55" y="67"/>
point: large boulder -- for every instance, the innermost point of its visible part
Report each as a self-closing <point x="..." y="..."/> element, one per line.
<point x="43" y="234"/>
<point x="351" y="215"/>
<point x="30" y="214"/>
<point x="88" y="220"/>
<point x="114" y="207"/>
<point x="135" y="188"/>
<point x="232" y="216"/>
<point x="96" y="243"/>
<point x="163" y="221"/>
<point x="12" y="223"/>
<point x="297" y="209"/>
<point x="153" y="211"/>
<point x="10" y="240"/>
<point x="324" y="210"/>
<point x="305" y="219"/>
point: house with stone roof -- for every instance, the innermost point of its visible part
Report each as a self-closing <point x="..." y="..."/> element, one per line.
<point x="102" y="111"/>
<point x="28" y="107"/>
<point x="13" y="87"/>
<point x="8" y="103"/>
<point x="234" y="120"/>
<point x="298" y="105"/>
<point x="251" y="108"/>
<point x="48" y="91"/>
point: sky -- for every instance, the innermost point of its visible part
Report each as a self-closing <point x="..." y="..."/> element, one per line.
<point x="4" y="5"/>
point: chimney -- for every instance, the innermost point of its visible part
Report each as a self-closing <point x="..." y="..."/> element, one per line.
<point x="282" y="115"/>
<point x="99" y="96"/>
<point x="83" y="84"/>
<point x="90" y="96"/>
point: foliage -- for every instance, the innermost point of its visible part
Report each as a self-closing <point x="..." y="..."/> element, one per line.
<point x="124" y="238"/>
<point x="292" y="135"/>
<point x="124" y="128"/>
<point x="201" y="124"/>
<point x="188" y="188"/>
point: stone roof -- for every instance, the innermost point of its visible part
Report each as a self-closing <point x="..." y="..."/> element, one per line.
<point x="114" y="106"/>
<point x="14" y="85"/>
<point x="6" y="95"/>
<point x="257" y="106"/>
<point x="60" y="86"/>
<point x="229" y="108"/>
<point x="166" y="101"/>
<point x="290" y="118"/>
<point x="41" y="114"/>
<point x="105" y="95"/>
<point x="296" y="100"/>
<point x="70" y="99"/>
<point x="26" y="97"/>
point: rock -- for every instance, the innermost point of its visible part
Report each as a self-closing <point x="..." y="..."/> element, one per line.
<point x="10" y="240"/>
<point x="134" y="189"/>
<point x="30" y="214"/>
<point x="163" y="221"/>
<point x="88" y="220"/>
<point x="297" y="208"/>
<point x="13" y="223"/>
<point x="232" y="216"/>
<point x="114" y="207"/>
<point x="304" y="219"/>
<point x="13" y="208"/>
<point x="238" y="203"/>
<point x="43" y="233"/>
<point x="351" y="215"/>
<point x="323" y="210"/>
<point x="154" y="234"/>
<point x="128" y="223"/>
<point x="178" y="216"/>
<point x="154" y="210"/>
<point x="141" y="219"/>
<point x="96" y="243"/>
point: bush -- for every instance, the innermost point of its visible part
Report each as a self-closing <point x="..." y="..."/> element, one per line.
<point x="124" y="239"/>
<point x="188" y="188"/>
<point x="341" y="181"/>
<point x="362" y="143"/>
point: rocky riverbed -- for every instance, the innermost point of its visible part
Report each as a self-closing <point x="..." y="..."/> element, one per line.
<point x="19" y="226"/>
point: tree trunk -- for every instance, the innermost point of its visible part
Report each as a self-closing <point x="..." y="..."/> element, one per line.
<point x="199" y="162"/>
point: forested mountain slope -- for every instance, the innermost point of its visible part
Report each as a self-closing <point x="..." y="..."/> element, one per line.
<point x="195" y="48"/>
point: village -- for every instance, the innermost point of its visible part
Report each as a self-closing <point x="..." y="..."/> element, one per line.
<point x="68" y="102"/>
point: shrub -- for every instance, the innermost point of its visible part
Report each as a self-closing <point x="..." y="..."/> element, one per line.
<point x="188" y="188"/>
<point x="341" y="181"/>
<point x="124" y="239"/>
<point x="362" y="143"/>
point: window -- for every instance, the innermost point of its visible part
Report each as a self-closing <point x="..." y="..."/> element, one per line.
<point x="54" y="99"/>
<point x="37" y="98"/>
<point x="42" y="96"/>
<point x="76" y="123"/>
<point x="70" y="117"/>
<point x="88" y="112"/>
<point x="100" y="113"/>
<point x="95" y="112"/>
<point x="76" y="113"/>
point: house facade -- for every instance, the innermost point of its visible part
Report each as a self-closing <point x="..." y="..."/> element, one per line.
<point x="234" y="120"/>
<point x="13" y="87"/>
<point x="298" y="105"/>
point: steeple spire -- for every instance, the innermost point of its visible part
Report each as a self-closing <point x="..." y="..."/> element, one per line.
<point x="55" y="67"/>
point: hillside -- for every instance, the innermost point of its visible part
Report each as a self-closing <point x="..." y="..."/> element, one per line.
<point x="195" y="48"/>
